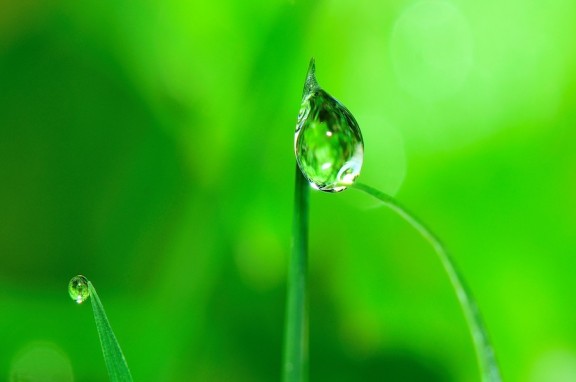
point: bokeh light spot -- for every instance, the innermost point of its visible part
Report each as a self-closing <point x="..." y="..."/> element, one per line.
<point x="432" y="50"/>
<point x="41" y="362"/>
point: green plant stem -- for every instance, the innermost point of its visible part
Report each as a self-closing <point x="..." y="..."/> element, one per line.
<point x="295" y="365"/>
<point x="115" y="362"/>
<point x="484" y="351"/>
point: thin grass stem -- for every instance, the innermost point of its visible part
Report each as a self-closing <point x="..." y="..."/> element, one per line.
<point x="295" y="364"/>
<point x="484" y="351"/>
<point x="115" y="362"/>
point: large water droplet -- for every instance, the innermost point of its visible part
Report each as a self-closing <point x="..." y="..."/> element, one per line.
<point x="328" y="143"/>
<point x="78" y="289"/>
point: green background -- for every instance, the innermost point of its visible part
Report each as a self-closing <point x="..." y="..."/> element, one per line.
<point x="149" y="146"/>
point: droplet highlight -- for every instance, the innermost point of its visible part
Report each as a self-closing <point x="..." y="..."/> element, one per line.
<point x="78" y="289"/>
<point x="328" y="143"/>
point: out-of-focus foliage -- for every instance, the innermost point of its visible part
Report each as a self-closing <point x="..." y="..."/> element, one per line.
<point x="149" y="146"/>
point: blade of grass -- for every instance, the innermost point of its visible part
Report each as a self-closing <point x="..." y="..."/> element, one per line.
<point x="484" y="351"/>
<point x="295" y="365"/>
<point x="115" y="362"/>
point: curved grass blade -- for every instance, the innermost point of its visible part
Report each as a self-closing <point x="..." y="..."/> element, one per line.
<point x="484" y="351"/>
<point x="115" y="362"/>
<point x="295" y="364"/>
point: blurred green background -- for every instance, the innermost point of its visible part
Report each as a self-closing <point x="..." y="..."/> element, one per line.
<point x="149" y="146"/>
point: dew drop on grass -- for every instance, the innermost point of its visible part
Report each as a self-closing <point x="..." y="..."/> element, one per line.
<point x="78" y="289"/>
<point x="328" y="144"/>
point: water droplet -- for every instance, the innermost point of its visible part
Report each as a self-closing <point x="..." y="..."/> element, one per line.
<point x="328" y="143"/>
<point x="78" y="289"/>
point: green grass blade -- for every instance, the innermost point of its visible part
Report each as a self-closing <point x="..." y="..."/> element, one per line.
<point x="115" y="362"/>
<point x="484" y="351"/>
<point x="295" y="365"/>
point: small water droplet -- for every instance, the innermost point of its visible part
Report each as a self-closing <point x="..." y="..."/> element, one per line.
<point x="78" y="289"/>
<point x="328" y="143"/>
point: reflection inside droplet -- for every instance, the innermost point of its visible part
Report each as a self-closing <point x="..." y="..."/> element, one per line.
<point x="78" y="289"/>
<point x="328" y="143"/>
